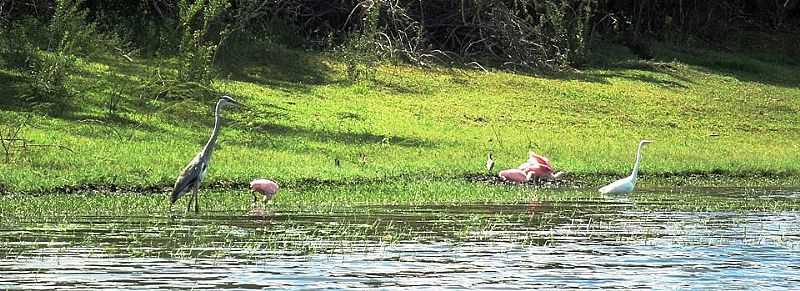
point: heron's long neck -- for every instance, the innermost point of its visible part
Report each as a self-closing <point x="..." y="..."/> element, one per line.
<point x="209" y="148"/>
<point x="638" y="159"/>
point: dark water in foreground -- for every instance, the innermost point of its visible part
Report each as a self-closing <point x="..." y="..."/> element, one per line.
<point x="606" y="243"/>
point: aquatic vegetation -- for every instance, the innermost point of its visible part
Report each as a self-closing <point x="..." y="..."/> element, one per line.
<point x="556" y="235"/>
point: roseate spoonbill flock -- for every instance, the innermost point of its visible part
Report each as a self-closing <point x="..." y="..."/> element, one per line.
<point x="193" y="174"/>
<point x="537" y="166"/>
<point x="625" y="185"/>
<point x="540" y="167"/>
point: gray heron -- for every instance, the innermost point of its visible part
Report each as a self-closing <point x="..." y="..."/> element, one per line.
<point x="193" y="174"/>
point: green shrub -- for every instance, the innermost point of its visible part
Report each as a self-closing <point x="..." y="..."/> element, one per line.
<point x="201" y="33"/>
<point x="44" y="73"/>
<point x="544" y="34"/>
<point x="45" y="52"/>
<point x="163" y="86"/>
<point x="47" y="82"/>
<point x="146" y="36"/>
<point x="18" y="43"/>
<point x="71" y="33"/>
<point x="360" y="52"/>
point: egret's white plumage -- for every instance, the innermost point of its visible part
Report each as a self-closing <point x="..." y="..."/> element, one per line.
<point x="489" y="163"/>
<point x="626" y="185"/>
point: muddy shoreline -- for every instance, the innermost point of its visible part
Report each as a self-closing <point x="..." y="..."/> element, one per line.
<point x="570" y="181"/>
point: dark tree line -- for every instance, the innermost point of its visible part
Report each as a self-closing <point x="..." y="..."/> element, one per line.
<point x="538" y="33"/>
<point x="43" y="39"/>
<point x="314" y="15"/>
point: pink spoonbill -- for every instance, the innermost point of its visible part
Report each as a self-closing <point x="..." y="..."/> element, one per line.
<point x="266" y="187"/>
<point x="515" y="175"/>
<point x="540" y="166"/>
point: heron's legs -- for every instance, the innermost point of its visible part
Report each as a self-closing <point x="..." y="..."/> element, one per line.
<point x="196" y="204"/>
<point x="189" y="205"/>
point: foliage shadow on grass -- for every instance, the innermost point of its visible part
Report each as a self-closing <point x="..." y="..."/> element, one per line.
<point x="11" y="90"/>
<point x="741" y="66"/>
<point x="328" y="136"/>
<point x="621" y="69"/>
<point x="280" y="68"/>
<point x="666" y="84"/>
<point x="772" y="70"/>
<point x="618" y="69"/>
<point x="399" y="87"/>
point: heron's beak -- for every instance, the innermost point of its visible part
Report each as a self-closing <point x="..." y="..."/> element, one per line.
<point x="239" y="104"/>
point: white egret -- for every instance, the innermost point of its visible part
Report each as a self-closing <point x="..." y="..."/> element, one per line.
<point x="489" y="163"/>
<point x="625" y="185"/>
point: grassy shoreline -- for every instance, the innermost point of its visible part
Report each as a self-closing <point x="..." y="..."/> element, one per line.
<point x="583" y="182"/>
<point x="367" y="198"/>
<point x="711" y="114"/>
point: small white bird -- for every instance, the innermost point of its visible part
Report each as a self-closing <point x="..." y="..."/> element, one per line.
<point x="625" y="185"/>
<point x="489" y="163"/>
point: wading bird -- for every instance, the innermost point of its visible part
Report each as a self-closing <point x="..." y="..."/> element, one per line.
<point x="489" y="163"/>
<point x="625" y="185"/>
<point x="543" y="171"/>
<point x="265" y="187"/>
<point x="514" y="175"/>
<point x="193" y="174"/>
<point x="540" y="167"/>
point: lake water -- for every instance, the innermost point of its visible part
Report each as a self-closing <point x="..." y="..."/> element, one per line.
<point x="603" y="243"/>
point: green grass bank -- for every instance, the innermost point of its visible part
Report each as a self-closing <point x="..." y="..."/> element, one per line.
<point x="729" y="115"/>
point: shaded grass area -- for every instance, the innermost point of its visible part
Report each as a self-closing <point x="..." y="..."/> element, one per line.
<point x="708" y="112"/>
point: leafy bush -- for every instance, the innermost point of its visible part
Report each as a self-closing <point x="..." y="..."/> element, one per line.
<point x="44" y="53"/>
<point x="146" y="36"/>
<point x="161" y="85"/>
<point x="360" y="52"/>
<point x="71" y="33"/>
<point x="47" y="82"/>
<point x="45" y="73"/>
<point x="531" y="34"/>
<point x="201" y="33"/>
<point x="19" y="43"/>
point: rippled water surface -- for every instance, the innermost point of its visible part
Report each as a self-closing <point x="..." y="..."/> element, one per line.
<point x="607" y="242"/>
